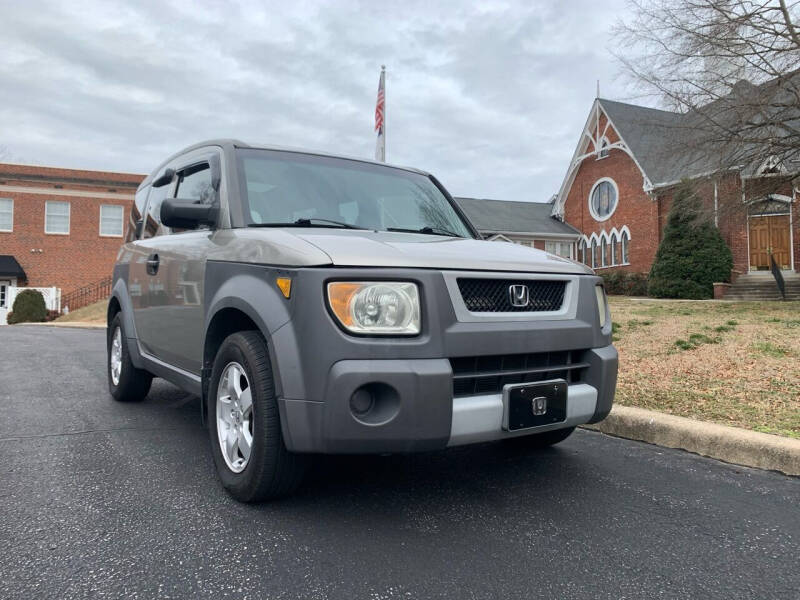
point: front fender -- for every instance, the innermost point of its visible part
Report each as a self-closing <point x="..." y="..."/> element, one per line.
<point x="251" y="289"/>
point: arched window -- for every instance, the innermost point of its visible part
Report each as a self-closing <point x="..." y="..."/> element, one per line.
<point x="614" y="244"/>
<point x="624" y="248"/>
<point x="604" y="251"/>
<point x="594" y="254"/>
<point x="603" y="199"/>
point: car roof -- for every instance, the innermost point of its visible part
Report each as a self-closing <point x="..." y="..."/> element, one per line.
<point x="231" y="144"/>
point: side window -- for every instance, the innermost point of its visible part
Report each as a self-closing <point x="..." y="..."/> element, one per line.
<point x="194" y="183"/>
<point x="136" y="212"/>
<point x="153" y="226"/>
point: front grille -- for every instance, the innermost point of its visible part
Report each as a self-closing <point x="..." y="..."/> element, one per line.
<point x="473" y="375"/>
<point x="493" y="295"/>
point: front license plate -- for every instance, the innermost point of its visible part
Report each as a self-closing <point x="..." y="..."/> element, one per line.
<point x="534" y="404"/>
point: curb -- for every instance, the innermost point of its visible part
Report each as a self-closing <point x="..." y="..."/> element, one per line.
<point x="729" y="444"/>
<point x="72" y="324"/>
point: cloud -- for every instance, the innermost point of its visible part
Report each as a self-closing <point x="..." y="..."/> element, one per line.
<point x="489" y="96"/>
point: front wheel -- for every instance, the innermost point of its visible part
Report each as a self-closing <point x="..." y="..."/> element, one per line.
<point x="244" y="425"/>
<point x="125" y="382"/>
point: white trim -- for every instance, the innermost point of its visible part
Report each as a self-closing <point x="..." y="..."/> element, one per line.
<point x="577" y="159"/>
<point x="616" y="199"/>
<point x="100" y="224"/>
<point x="12" y="216"/>
<point x="499" y="238"/>
<point x="532" y="235"/>
<point x="69" y="217"/>
<point x="61" y="192"/>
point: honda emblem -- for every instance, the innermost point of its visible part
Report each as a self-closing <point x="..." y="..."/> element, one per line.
<point x="539" y="405"/>
<point x="518" y="295"/>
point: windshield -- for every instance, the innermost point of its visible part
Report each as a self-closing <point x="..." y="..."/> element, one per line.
<point x="287" y="188"/>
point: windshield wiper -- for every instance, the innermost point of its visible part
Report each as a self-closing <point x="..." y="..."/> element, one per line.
<point x="309" y="223"/>
<point x="428" y="230"/>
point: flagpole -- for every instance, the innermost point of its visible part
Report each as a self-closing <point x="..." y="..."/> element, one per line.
<point x="380" y="117"/>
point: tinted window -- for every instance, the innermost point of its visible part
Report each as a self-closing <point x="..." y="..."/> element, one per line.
<point x="136" y="212"/>
<point x="281" y="187"/>
<point x="153" y="225"/>
<point x="195" y="184"/>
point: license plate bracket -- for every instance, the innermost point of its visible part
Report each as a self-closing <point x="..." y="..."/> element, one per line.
<point x="527" y="405"/>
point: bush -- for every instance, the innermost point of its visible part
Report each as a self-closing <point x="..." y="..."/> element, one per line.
<point x="692" y="255"/>
<point x="625" y="284"/>
<point x="29" y="307"/>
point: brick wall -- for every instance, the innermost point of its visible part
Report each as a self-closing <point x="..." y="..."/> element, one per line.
<point x="645" y="214"/>
<point x="635" y="209"/>
<point x="66" y="261"/>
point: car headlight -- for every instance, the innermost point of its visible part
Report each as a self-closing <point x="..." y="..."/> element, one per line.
<point x="376" y="307"/>
<point x="602" y="304"/>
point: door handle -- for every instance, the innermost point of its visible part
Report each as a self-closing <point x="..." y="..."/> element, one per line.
<point x="152" y="264"/>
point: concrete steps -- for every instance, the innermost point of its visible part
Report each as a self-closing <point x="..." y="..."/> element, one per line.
<point x="762" y="286"/>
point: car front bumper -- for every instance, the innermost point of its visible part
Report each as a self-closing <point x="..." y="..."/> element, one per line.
<point x="421" y="412"/>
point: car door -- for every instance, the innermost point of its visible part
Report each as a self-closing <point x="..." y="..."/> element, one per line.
<point x="172" y="319"/>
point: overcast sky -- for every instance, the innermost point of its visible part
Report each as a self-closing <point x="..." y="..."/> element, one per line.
<point x="489" y="96"/>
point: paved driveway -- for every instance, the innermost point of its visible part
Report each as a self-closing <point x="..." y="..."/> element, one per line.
<point x="99" y="499"/>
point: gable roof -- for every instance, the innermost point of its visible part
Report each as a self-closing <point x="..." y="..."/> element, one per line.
<point x="669" y="146"/>
<point x="648" y="132"/>
<point x="495" y="216"/>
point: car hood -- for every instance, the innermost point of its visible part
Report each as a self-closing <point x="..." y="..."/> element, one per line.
<point x="356" y="248"/>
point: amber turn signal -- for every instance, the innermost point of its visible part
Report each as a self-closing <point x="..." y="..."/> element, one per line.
<point x="340" y="294"/>
<point x="285" y="285"/>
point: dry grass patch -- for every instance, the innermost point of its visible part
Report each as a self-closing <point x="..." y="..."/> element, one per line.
<point x="734" y="363"/>
<point x="94" y="313"/>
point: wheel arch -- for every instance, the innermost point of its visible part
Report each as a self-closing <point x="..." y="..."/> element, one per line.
<point x="230" y="316"/>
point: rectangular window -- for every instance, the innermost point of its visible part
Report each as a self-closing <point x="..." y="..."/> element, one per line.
<point x="56" y="217"/>
<point x="111" y="219"/>
<point x="563" y="249"/>
<point x="6" y="214"/>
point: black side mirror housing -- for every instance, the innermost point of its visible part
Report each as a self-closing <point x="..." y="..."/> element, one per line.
<point x="139" y="228"/>
<point x="187" y="214"/>
<point x="164" y="178"/>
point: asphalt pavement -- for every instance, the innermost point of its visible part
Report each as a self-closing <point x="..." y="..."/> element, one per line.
<point x="106" y="500"/>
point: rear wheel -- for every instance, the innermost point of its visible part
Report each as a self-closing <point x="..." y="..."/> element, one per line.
<point x="125" y="382"/>
<point x="244" y="425"/>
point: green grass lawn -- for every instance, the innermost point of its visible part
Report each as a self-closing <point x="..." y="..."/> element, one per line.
<point x="734" y="363"/>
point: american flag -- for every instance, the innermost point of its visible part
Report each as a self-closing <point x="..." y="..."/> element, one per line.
<point x="380" y="108"/>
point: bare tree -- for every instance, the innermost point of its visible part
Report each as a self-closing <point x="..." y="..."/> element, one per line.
<point x="731" y="67"/>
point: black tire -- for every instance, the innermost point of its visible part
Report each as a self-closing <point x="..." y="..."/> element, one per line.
<point x="271" y="470"/>
<point x="133" y="384"/>
<point x="546" y="439"/>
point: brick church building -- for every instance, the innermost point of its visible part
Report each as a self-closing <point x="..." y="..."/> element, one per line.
<point x="619" y="185"/>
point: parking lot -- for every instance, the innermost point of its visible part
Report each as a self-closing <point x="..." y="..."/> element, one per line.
<point x="100" y="499"/>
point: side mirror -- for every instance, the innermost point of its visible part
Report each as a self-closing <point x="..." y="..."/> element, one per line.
<point x="187" y="214"/>
<point x="139" y="227"/>
<point x="164" y="178"/>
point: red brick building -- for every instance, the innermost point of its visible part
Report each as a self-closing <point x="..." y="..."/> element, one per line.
<point x="618" y="190"/>
<point x="61" y="227"/>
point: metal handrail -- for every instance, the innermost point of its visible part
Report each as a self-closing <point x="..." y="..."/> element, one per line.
<point x="88" y="294"/>
<point x="776" y="273"/>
